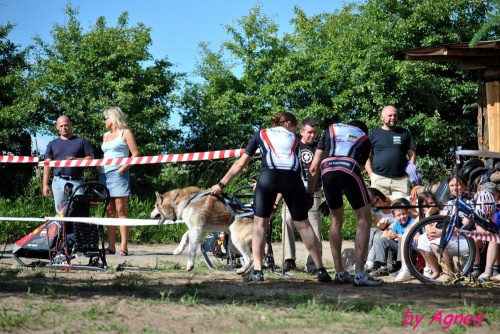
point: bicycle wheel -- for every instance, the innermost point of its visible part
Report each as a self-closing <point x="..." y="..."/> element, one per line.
<point x="455" y="260"/>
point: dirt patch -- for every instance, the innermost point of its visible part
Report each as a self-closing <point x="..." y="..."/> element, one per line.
<point x="164" y="298"/>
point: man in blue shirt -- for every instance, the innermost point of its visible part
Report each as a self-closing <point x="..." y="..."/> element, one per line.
<point x="66" y="147"/>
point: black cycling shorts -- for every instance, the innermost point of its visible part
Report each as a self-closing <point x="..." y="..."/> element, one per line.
<point x="272" y="182"/>
<point x="342" y="174"/>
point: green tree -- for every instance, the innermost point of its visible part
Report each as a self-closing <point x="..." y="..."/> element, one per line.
<point x="14" y="136"/>
<point x="80" y="73"/>
<point x="487" y="27"/>
<point x="224" y="110"/>
<point x="339" y="66"/>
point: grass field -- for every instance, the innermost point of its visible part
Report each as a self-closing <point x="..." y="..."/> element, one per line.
<point x="164" y="298"/>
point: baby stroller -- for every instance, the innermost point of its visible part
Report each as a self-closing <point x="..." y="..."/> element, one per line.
<point x="60" y="242"/>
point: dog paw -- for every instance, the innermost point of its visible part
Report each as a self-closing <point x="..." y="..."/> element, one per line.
<point x="177" y="251"/>
<point x="189" y="266"/>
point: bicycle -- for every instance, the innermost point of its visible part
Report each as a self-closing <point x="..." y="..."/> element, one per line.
<point x="455" y="255"/>
<point x="217" y="244"/>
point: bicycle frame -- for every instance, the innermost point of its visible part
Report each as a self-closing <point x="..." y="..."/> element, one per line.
<point x="462" y="206"/>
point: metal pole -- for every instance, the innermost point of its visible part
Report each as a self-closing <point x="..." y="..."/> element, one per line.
<point x="40" y="171"/>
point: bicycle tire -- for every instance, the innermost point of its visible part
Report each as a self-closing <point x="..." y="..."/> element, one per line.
<point x="466" y="261"/>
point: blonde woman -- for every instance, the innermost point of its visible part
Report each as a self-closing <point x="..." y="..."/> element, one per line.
<point x="117" y="142"/>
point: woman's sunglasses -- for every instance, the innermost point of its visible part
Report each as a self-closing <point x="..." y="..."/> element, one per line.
<point x="105" y="118"/>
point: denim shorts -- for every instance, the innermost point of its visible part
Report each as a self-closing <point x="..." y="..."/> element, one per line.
<point x="118" y="185"/>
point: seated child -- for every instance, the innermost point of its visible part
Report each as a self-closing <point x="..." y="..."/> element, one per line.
<point x="390" y="241"/>
<point x="492" y="268"/>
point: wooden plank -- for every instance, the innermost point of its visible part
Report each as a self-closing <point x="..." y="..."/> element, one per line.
<point x="491" y="74"/>
<point x="474" y="52"/>
<point x="481" y="110"/>
<point x="479" y="63"/>
<point x="493" y="107"/>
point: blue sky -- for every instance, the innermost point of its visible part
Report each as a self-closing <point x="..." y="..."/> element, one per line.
<point x="177" y="26"/>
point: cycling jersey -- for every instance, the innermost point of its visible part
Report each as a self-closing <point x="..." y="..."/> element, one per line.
<point x="278" y="146"/>
<point x="345" y="148"/>
<point x="343" y="140"/>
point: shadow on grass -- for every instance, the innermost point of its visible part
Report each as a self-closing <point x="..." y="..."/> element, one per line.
<point x="206" y="288"/>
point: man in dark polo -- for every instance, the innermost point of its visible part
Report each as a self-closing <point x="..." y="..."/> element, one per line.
<point x="392" y="147"/>
<point x="66" y="147"/>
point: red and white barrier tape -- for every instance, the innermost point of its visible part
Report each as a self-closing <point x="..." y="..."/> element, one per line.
<point x="146" y="160"/>
<point x="157" y="159"/>
<point x="482" y="236"/>
<point x="97" y="221"/>
<point x="12" y="159"/>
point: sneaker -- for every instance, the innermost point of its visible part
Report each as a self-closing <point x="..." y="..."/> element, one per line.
<point x="483" y="278"/>
<point x="403" y="276"/>
<point x="289" y="265"/>
<point x="427" y="272"/>
<point x="342" y="278"/>
<point x="394" y="273"/>
<point x="380" y="272"/>
<point x="323" y="275"/>
<point x="369" y="269"/>
<point x="496" y="278"/>
<point x="366" y="280"/>
<point x="255" y="276"/>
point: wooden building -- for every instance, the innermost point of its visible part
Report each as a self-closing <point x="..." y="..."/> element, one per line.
<point x="484" y="58"/>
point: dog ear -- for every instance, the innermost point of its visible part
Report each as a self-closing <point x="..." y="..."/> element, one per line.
<point x="159" y="199"/>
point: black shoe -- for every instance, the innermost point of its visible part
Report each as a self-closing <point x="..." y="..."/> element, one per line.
<point x="312" y="271"/>
<point x="289" y="265"/>
<point x="255" y="276"/>
<point x="323" y="275"/>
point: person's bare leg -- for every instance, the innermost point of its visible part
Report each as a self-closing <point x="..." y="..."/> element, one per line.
<point x="121" y="209"/>
<point x="431" y="262"/>
<point x="310" y="241"/>
<point x="363" y="217"/>
<point x="259" y="240"/>
<point x="336" y="237"/>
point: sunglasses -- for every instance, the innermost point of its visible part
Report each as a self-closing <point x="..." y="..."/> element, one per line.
<point x="106" y="118"/>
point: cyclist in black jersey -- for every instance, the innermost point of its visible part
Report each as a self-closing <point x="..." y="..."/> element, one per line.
<point x="341" y="153"/>
<point x="280" y="174"/>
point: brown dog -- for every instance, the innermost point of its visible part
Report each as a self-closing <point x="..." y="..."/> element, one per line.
<point x="208" y="213"/>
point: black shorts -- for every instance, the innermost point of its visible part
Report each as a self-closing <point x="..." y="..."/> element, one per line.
<point x="342" y="174"/>
<point x="278" y="181"/>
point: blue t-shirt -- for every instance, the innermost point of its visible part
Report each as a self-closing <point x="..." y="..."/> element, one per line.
<point x="496" y="218"/>
<point x="398" y="228"/>
<point x="59" y="149"/>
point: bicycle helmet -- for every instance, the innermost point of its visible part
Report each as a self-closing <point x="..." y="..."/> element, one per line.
<point x="484" y="204"/>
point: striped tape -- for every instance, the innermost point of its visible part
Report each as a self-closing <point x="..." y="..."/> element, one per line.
<point x="12" y="159"/>
<point x="482" y="236"/>
<point x="146" y="160"/>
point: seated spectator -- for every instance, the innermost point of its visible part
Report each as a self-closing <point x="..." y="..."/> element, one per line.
<point x="391" y="240"/>
<point x="492" y="254"/>
<point x="427" y="204"/>
<point x="428" y="242"/>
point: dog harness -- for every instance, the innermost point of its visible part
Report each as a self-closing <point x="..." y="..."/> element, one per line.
<point x="231" y="205"/>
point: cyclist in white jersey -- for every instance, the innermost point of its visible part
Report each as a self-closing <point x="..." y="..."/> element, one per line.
<point x="280" y="174"/>
<point x="341" y="153"/>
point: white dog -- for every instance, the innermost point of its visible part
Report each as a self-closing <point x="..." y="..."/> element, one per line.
<point x="208" y="213"/>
